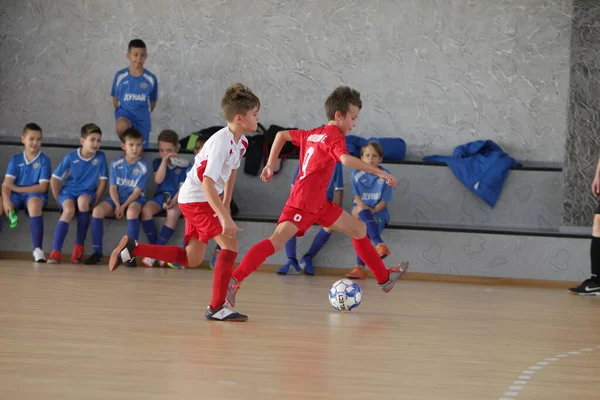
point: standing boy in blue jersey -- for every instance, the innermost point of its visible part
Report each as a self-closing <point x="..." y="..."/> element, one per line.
<point x="25" y="186"/>
<point x="134" y="92"/>
<point x="128" y="178"/>
<point x="335" y="193"/>
<point x="371" y="197"/>
<point x="83" y="176"/>
<point x="168" y="178"/>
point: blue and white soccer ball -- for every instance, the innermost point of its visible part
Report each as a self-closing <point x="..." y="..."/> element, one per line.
<point x="345" y="295"/>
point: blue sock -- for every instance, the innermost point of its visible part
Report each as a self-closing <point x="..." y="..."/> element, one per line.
<point x="97" y="234"/>
<point x="83" y="223"/>
<point x="317" y="244"/>
<point x="36" y="224"/>
<point x="133" y="228"/>
<point x="359" y="261"/>
<point x="366" y="216"/>
<point x="165" y="235"/>
<point x="60" y="233"/>
<point x="290" y="248"/>
<point x="150" y="229"/>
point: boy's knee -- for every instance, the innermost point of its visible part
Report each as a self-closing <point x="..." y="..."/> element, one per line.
<point x="68" y="211"/>
<point x="122" y="124"/>
<point x="83" y="203"/>
<point x="360" y="231"/>
<point x="133" y="212"/>
<point x="98" y="212"/>
<point x="147" y="213"/>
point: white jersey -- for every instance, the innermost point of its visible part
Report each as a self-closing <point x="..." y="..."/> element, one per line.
<point x="219" y="156"/>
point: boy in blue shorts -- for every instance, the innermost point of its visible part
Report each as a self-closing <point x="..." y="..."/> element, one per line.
<point x="25" y="186"/>
<point x="168" y="178"/>
<point x="83" y="175"/>
<point x="335" y="193"/>
<point x="134" y="92"/>
<point x="127" y="182"/>
<point x="371" y="197"/>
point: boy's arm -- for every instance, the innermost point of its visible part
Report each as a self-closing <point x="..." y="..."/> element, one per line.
<point x="55" y="186"/>
<point x="113" y="191"/>
<point x="39" y="188"/>
<point x="137" y="192"/>
<point x="161" y="171"/>
<point x="380" y="206"/>
<point x="152" y="105"/>
<point x="229" y="226"/>
<point x="280" y="139"/>
<point x="228" y="189"/>
<point x="356" y="163"/>
<point x="115" y="102"/>
<point x="100" y="190"/>
<point x="360" y="203"/>
<point x="6" y="203"/>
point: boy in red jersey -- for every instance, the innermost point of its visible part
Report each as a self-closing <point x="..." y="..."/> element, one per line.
<point x="320" y="149"/>
<point x="206" y="214"/>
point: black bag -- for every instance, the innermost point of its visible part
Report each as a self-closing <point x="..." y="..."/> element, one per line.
<point x="254" y="152"/>
<point x="189" y="142"/>
<point x="288" y="149"/>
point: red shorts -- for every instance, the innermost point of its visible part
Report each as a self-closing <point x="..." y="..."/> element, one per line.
<point x="325" y="217"/>
<point x="201" y="222"/>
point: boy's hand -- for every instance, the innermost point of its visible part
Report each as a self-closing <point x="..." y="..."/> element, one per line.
<point x="267" y="174"/>
<point x="229" y="227"/>
<point x="7" y="205"/>
<point x="9" y="185"/>
<point x="167" y="156"/>
<point x="119" y="212"/>
<point x="389" y="178"/>
<point x="596" y="186"/>
<point x="170" y="204"/>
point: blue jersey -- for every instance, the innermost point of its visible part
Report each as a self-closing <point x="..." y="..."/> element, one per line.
<point x="174" y="177"/>
<point x="336" y="183"/>
<point x="80" y="175"/>
<point x="127" y="177"/>
<point x="135" y="93"/>
<point x="371" y="188"/>
<point x="29" y="173"/>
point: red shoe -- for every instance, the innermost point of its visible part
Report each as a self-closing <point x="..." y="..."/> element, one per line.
<point x="54" y="257"/>
<point x="77" y="254"/>
<point x="358" y="272"/>
<point x="382" y="250"/>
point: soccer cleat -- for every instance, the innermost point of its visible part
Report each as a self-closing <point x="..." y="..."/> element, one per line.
<point x="225" y="314"/>
<point x="13" y="218"/>
<point x="175" y="266"/>
<point x="291" y="267"/>
<point x="382" y="250"/>
<point x="123" y="253"/>
<point x="38" y="255"/>
<point x="131" y="263"/>
<point x="358" y="272"/>
<point x="77" y="254"/>
<point x="54" y="257"/>
<point x="213" y="259"/>
<point x="307" y="265"/>
<point x="396" y="273"/>
<point x="589" y="287"/>
<point x="234" y="286"/>
<point x="94" y="259"/>
<point x="148" y="262"/>
<point x="160" y="264"/>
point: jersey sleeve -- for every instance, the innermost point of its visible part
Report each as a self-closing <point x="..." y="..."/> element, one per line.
<point x="45" y="171"/>
<point x="338" y="176"/>
<point x="12" y="171"/>
<point x="112" y="179"/>
<point x="296" y="172"/>
<point x="60" y="172"/>
<point x="298" y="135"/>
<point x="338" y="147"/>
<point x="356" y="191"/>
<point x="103" y="168"/>
<point x="386" y="193"/>
<point x="242" y="152"/>
<point x="154" y="92"/>
<point x="143" y="181"/>
<point x="113" y="90"/>
<point x="216" y="156"/>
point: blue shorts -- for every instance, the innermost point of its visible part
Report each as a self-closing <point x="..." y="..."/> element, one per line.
<point x="140" y="200"/>
<point x="140" y="124"/>
<point x="20" y="199"/>
<point x="159" y="198"/>
<point x="66" y="195"/>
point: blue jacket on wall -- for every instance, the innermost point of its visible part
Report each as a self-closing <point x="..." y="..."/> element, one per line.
<point x="482" y="166"/>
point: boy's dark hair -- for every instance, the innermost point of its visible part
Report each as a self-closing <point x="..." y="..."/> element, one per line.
<point x="199" y="143"/>
<point x="131" y="133"/>
<point x="88" y="129"/>
<point x="340" y="100"/>
<point x="375" y="145"/>
<point x="136" y="44"/>
<point x="169" y="136"/>
<point x="238" y="99"/>
<point x="32" y="126"/>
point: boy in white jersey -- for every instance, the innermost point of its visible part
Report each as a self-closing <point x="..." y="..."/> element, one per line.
<point x="206" y="213"/>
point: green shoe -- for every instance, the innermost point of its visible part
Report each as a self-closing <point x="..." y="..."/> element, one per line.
<point x="13" y="218"/>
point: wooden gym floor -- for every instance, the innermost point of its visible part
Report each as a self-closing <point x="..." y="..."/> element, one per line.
<point x="74" y="332"/>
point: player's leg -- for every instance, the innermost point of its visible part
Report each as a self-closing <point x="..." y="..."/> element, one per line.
<point x="67" y="206"/>
<point x="102" y="210"/>
<point x="84" y="202"/>
<point x="150" y="209"/>
<point x="133" y="224"/>
<point x="122" y="123"/>
<point x="318" y="242"/>
<point x="365" y="250"/>
<point x="168" y="228"/>
<point x="35" y="205"/>
<point x="373" y="230"/>
<point x="591" y="286"/>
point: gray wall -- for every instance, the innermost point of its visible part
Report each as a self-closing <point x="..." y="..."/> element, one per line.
<point x="433" y="72"/>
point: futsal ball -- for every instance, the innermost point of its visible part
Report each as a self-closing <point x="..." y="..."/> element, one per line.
<point x="345" y="295"/>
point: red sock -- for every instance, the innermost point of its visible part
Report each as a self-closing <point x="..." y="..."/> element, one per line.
<point x="368" y="254"/>
<point x="222" y="276"/>
<point x="172" y="254"/>
<point x="253" y="259"/>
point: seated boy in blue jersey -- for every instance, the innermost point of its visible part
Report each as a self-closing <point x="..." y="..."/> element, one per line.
<point x="127" y="181"/>
<point x="335" y="193"/>
<point x="134" y="92"/>
<point x="25" y="186"/>
<point x="83" y="175"/>
<point x="371" y="196"/>
<point x="168" y="179"/>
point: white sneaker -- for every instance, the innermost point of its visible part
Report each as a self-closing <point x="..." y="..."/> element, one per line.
<point x="38" y="255"/>
<point x="148" y="262"/>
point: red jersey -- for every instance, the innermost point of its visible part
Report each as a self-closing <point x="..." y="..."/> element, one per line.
<point x="320" y="150"/>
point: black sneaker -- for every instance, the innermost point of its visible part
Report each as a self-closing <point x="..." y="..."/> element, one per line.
<point x="94" y="259"/>
<point x="123" y="253"/>
<point x="224" y="314"/>
<point x="589" y="287"/>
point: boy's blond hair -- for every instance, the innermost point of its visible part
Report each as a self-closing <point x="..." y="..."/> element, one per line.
<point x="238" y="99"/>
